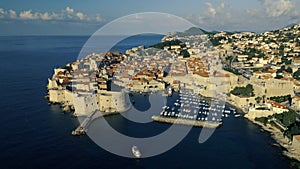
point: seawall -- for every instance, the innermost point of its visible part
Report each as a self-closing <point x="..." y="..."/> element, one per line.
<point x="187" y="122"/>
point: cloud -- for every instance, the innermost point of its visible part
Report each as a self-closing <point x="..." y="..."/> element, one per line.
<point x="47" y="16"/>
<point x="98" y="18"/>
<point x="81" y="16"/>
<point x="12" y="14"/>
<point x="275" y="8"/>
<point x="69" y="10"/>
<point x="28" y="15"/>
<point x="211" y="11"/>
<point x="227" y="16"/>
<point x="67" y="14"/>
<point x="222" y="5"/>
<point x="214" y="17"/>
<point x="2" y="13"/>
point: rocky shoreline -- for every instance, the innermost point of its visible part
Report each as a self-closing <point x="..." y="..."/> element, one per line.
<point x="278" y="136"/>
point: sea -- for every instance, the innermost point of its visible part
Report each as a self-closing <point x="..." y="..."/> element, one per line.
<point x="35" y="135"/>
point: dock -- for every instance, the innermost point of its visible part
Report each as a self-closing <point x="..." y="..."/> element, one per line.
<point x="196" y="123"/>
<point x="83" y="127"/>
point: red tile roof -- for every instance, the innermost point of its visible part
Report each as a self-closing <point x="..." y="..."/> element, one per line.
<point x="297" y="137"/>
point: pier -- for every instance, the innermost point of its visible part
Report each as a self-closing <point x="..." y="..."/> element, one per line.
<point x="83" y="127"/>
<point x="196" y="123"/>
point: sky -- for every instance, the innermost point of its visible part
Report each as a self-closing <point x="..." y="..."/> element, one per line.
<point x="77" y="17"/>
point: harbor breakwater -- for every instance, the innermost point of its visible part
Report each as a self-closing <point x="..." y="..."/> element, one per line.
<point x="195" y="123"/>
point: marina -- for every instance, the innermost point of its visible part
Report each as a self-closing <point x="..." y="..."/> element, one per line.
<point x="184" y="107"/>
<point x="190" y="108"/>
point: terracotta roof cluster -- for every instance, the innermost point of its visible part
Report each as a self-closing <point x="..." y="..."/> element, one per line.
<point x="147" y="75"/>
<point x="277" y="105"/>
<point x="197" y="67"/>
<point x="178" y="68"/>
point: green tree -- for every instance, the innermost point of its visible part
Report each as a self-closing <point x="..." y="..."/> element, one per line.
<point x="278" y="116"/>
<point x="281" y="47"/>
<point x="168" y="43"/>
<point x="289" y="69"/>
<point x="289" y="118"/>
<point x="243" y="91"/>
<point x="263" y="120"/>
<point x="185" y="53"/>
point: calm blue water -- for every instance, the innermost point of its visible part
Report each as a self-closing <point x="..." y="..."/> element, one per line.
<point x="35" y="135"/>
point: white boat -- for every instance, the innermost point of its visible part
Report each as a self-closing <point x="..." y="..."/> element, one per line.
<point x="161" y="113"/>
<point x="136" y="152"/>
<point x="170" y="91"/>
<point x="227" y="111"/>
<point x="237" y="115"/>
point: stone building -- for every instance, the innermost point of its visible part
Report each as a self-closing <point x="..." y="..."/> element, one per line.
<point x="296" y="142"/>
